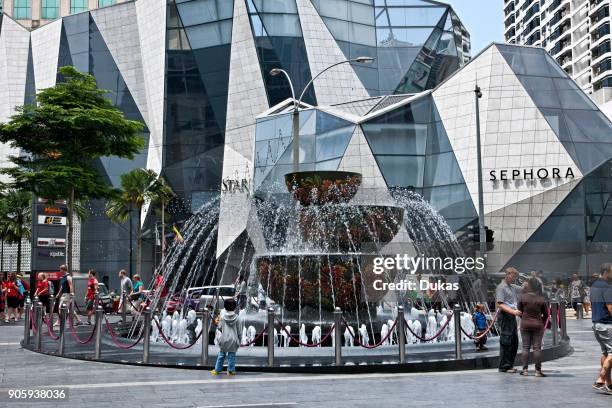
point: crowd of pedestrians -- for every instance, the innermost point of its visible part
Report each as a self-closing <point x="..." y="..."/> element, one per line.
<point x="529" y="303"/>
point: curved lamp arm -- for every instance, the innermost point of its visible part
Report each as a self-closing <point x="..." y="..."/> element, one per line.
<point x="275" y="72"/>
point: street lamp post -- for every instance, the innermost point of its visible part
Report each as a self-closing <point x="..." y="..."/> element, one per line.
<point x="481" y="219"/>
<point x="296" y="105"/>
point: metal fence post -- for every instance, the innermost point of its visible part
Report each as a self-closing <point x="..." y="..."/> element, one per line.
<point x="124" y="308"/>
<point x="38" y="314"/>
<point x="147" y="335"/>
<point x="554" y="324"/>
<point x="62" y="328"/>
<point x="338" y="335"/>
<point x="98" y="329"/>
<point x="563" y="320"/>
<point x="271" y="337"/>
<point x="457" y="321"/>
<point x="205" y="336"/>
<point x="27" y="323"/>
<point x="401" y="336"/>
<point x="579" y="311"/>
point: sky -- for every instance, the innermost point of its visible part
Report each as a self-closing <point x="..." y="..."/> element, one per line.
<point x="484" y="19"/>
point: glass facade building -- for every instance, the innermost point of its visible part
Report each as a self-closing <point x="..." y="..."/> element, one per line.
<point x="213" y="113"/>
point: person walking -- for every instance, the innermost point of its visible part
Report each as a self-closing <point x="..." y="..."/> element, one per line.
<point x="576" y="290"/>
<point x="11" y="294"/>
<point x="126" y="287"/>
<point x="90" y="295"/>
<point x="65" y="296"/>
<point x="534" y="309"/>
<point x="506" y="297"/>
<point x="23" y="288"/>
<point x="601" y="316"/>
<point x="230" y="325"/>
<point x="42" y="291"/>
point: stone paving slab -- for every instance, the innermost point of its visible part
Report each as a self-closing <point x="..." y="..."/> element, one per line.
<point x="93" y="384"/>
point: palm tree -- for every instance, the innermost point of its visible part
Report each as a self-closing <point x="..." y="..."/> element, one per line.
<point x="16" y="219"/>
<point x="161" y="192"/>
<point x="135" y="192"/>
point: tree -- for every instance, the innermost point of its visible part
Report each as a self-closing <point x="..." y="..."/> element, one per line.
<point x="137" y="187"/>
<point x="60" y="138"/>
<point x="16" y="218"/>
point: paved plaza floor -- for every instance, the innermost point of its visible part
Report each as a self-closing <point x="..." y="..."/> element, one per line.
<point x="91" y="384"/>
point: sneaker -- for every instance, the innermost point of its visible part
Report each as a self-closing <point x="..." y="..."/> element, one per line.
<point x="214" y="372"/>
<point x="525" y="372"/>
<point x="231" y="373"/>
<point x="599" y="386"/>
<point x="607" y="389"/>
<point x="508" y="370"/>
<point x="539" y="373"/>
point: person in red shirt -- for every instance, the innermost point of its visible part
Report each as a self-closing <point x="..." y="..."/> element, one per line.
<point x="90" y="296"/>
<point x="11" y="294"/>
<point x="42" y="290"/>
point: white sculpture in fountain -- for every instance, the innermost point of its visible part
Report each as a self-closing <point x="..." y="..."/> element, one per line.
<point x="167" y="326"/>
<point x="251" y="333"/>
<point x="154" y="331"/>
<point x="384" y="334"/>
<point x="276" y="339"/>
<point x="432" y="325"/>
<point x="393" y="337"/>
<point x="285" y="335"/>
<point x="244" y="339"/>
<point x="181" y="336"/>
<point x="443" y="319"/>
<point x="198" y="330"/>
<point x="303" y="335"/>
<point x="348" y="337"/>
<point x="417" y="329"/>
<point x="316" y="335"/>
<point x="363" y="335"/>
<point x="467" y="325"/>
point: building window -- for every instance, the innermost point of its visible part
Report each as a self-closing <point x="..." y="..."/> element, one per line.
<point x="22" y="10"/>
<point x="105" y="3"/>
<point x="77" y="6"/>
<point x="50" y="9"/>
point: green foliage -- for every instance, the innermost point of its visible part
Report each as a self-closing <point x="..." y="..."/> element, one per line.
<point x="134" y="193"/>
<point x="15" y="216"/>
<point x="72" y="124"/>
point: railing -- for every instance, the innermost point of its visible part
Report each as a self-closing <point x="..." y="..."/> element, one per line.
<point x="398" y="328"/>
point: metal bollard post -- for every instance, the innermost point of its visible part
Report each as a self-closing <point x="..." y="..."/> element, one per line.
<point x="62" y="328"/>
<point x="457" y="319"/>
<point x="38" y="316"/>
<point x="26" y="323"/>
<point x="580" y="311"/>
<point x="271" y="337"/>
<point x="338" y="335"/>
<point x="554" y="325"/>
<point x="98" y="329"/>
<point x="147" y="335"/>
<point x="563" y="320"/>
<point x="401" y="334"/>
<point x="205" y="336"/>
<point x="123" y="308"/>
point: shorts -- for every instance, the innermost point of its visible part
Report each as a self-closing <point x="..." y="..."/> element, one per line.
<point x="12" y="302"/>
<point x="65" y="300"/>
<point x="603" y="335"/>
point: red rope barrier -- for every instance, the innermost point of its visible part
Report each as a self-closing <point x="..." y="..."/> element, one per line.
<point x="367" y="346"/>
<point x="481" y="335"/>
<point x="171" y="344"/>
<point x="442" y="328"/>
<point x="73" y="331"/>
<point x="259" y="336"/>
<point x="114" y="337"/>
<point x="331" y="330"/>
<point x="48" y="321"/>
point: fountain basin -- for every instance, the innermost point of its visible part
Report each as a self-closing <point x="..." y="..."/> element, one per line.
<point x="323" y="187"/>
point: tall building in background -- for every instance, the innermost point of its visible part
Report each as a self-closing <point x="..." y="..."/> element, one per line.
<point x="35" y="13"/>
<point x="576" y="33"/>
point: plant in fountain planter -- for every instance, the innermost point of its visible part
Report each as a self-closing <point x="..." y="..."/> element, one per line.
<point x="323" y="187"/>
<point x="298" y="284"/>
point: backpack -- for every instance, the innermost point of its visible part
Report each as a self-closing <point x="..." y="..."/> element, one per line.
<point x="20" y="289"/>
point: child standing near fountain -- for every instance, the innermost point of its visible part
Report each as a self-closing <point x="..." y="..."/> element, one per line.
<point x="230" y="325"/>
<point x="480" y="321"/>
